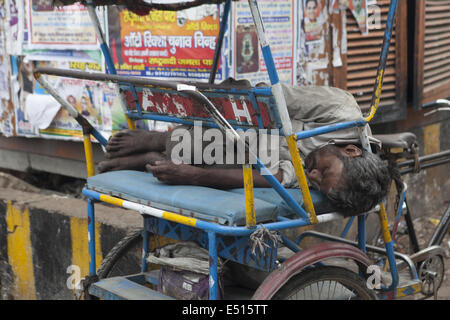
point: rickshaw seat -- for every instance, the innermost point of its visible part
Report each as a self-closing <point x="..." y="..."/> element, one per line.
<point x="321" y="203"/>
<point x="404" y="140"/>
<point x="208" y="204"/>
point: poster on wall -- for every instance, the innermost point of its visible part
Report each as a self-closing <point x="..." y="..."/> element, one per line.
<point x="6" y="107"/>
<point x="94" y="100"/>
<point x="46" y="54"/>
<point x="279" y="23"/>
<point x="314" y="16"/>
<point x="313" y="58"/>
<point x="359" y="9"/>
<point x="22" y="85"/>
<point x="66" y="27"/>
<point x="164" y="44"/>
<point x="14" y="26"/>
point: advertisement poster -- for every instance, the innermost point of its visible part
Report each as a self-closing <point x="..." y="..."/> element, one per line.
<point x="94" y="100"/>
<point x="279" y="22"/>
<point x="14" y="12"/>
<point x="6" y="107"/>
<point x="164" y="44"/>
<point x="314" y="16"/>
<point x="359" y="10"/>
<point x="66" y="27"/>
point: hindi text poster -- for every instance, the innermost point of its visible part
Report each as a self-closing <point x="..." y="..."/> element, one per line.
<point x="67" y="27"/>
<point x="164" y="44"/>
<point x="279" y="23"/>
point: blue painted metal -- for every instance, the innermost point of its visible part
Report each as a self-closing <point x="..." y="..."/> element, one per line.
<point x="227" y="230"/>
<point x="392" y="266"/>
<point x="213" y="279"/>
<point x="330" y="128"/>
<point x="145" y="248"/>
<point x="289" y="243"/>
<point x="271" y="69"/>
<point x="125" y="288"/>
<point x="108" y="60"/>
<point x="385" y="47"/>
<point x="256" y="107"/>
<point x="223" y="27"/>
<point x="234" y="248"/>
<point x="400" y="206"/>
<point x="91" y="239"/>
<point x="362" y="232"/>
<point x="281" y="190"/>
<point x="97" y="135"/>
<point x="347" y="227"/>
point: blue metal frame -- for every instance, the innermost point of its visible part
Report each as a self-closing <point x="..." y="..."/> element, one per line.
<point x="215" y="232"/>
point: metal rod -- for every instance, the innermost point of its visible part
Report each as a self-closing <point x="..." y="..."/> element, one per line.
<point x="425" y="166"/>
<point x="223" y="26"/>
<point x="370" y="248"/>
<point x="383" y="58"/>
<point x="425" y="158"/>
<point x="411" y="229"/>
<point x="213" y="279"/>
<point x="91" y="237"/>
<point x="441" y="229"/>
<point x="329" y="128"/>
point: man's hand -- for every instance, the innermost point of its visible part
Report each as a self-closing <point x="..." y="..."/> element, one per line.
<point x="181" y="174"/>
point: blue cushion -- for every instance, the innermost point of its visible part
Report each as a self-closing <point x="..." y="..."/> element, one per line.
<point x="321" y="203"/>
<point x="200" y="202"/>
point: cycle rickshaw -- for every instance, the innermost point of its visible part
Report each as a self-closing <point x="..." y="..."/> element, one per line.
<point x="222" y="222"/>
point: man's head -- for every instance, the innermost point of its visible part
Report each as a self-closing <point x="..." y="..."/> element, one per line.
<point x="353" y="180"/>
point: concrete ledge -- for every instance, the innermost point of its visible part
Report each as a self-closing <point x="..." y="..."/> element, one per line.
<point x="43" y="236"/>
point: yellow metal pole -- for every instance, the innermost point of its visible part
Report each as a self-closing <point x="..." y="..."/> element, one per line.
<point x="374" y="107"/>
<point x="250" y="218"/>
<point x="384" y="224"/>
<point x="130" y="123"/>
<point x="89" y="155"/>
<point x="301" y="178"/>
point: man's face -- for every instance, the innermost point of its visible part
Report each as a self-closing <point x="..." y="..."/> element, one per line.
<point x="311" y="10"/>
<point x="324" y="166"/>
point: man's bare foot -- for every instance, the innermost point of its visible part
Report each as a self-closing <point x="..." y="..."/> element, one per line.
<point x="127" y="142"/>
<point x="131" y="162"/>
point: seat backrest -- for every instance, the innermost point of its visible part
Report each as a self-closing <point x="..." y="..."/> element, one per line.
<point x="243" y="107"/>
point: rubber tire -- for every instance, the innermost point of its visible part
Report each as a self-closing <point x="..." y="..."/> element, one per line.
<point x="309" y="276"/>
<point x="120" y="249"/>
<point x="133" y="238"/>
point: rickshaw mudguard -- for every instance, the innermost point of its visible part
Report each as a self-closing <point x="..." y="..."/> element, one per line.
<point x="302" y="259"/>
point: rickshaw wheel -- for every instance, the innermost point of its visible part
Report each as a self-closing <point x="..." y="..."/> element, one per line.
<point x="325" y="283"/>
<point x="124" y="258"/>
<point x="431" y="272"/>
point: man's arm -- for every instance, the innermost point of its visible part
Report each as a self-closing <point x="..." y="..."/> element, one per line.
<point x="184" y="174"/>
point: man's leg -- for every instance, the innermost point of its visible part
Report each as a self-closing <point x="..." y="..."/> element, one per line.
<point x="128" y="142"/>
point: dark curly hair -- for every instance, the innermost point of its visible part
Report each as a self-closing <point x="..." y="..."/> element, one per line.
<point x="365" y="182"/>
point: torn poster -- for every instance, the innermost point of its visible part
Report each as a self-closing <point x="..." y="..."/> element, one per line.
<point x="280" y="28"/>
<point x="14" y="11"/>
<point x="67" y="27"/>
<point x="358" y="9"/>
<point x="315" y="15"/>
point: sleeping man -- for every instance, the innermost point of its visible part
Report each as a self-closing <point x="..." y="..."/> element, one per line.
<point x="353" y="179"/>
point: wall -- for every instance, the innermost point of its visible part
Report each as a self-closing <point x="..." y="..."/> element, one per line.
<point x="42" y="235"/>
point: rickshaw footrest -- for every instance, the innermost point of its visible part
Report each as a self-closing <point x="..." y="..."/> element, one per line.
<point x="125" y="288"/>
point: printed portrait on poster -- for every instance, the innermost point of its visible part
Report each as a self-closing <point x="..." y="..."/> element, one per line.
<point x="313" y="20"/>
<point x="42" y="5"/>
<point x="247" y="57"/>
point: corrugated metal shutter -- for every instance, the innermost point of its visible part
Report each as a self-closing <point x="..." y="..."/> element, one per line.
<point x="362" y="62"/>
<point x="436" y="57"/>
